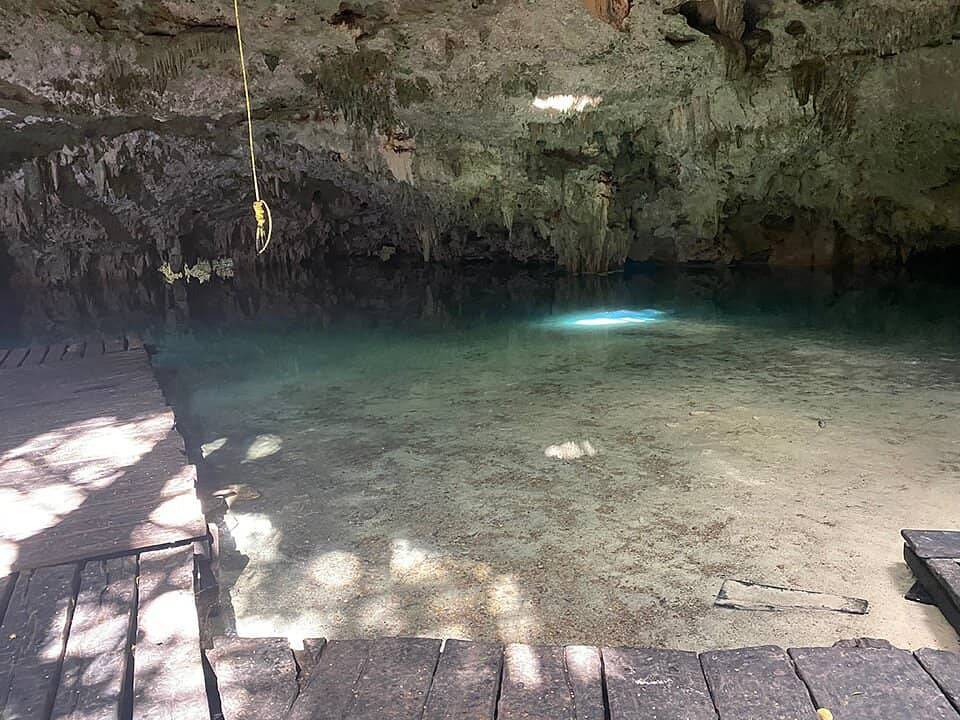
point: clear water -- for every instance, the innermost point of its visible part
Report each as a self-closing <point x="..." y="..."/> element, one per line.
<point x="511" y="456"/>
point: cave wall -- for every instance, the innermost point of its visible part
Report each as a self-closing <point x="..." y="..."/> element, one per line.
<point x="576" y="132"/>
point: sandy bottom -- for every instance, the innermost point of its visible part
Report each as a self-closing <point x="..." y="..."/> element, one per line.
<point x="522" y="481"/>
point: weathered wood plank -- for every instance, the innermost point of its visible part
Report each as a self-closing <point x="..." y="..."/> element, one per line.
<point x="35" y="355"/>
<point x="756" y="684"/>
<point x="99" y="647"/>
<point x="395" y="679"/>
<point x="55" y="381"/>
<point x="32" y="640"/>
<point x="870" y="684"/>
<point x="168" y="681"/>
<point x="257" y="678"/>
<point x="114" y="344"/>
<point x="740" y="595"/>
<point x="331" y="681"/>
<point x="14" y="357"/>
<point x="932" y="584"/>
<point x="944" y="668"/>
<point x="656" y="685"/>
<point x="73" y="350"/>
<point x="108" y="435"/>
<point x="947" y="573"/>
<point x="466" y="682"/>
<point x="534" y="684"/>
<point x="933" y="543"/>
<point x="93" y="347"/>
<point x="584" y="668"/>
<point x="386" y="679"/>
<point x="6" y="590"/>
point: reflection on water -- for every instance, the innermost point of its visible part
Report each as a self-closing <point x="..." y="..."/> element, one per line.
<point x="393" y="297"/>
<point x="435" y="453"/>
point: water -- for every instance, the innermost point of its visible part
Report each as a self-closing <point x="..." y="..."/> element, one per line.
<point x="448" y="454"/>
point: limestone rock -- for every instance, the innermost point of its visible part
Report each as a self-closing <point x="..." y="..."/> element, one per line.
<point x="577" y="132"/>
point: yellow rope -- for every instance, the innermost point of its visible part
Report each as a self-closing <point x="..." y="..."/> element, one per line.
<point x="261" y="211"/>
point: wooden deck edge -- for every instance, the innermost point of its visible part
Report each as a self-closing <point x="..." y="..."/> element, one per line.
<point x="930" y="583"/>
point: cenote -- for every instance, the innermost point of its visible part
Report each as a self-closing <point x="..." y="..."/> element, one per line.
<point x="521" y="455"/>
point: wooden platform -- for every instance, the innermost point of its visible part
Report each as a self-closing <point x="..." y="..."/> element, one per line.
<point x="934" y="558"/>
<point x="423" y="679"/>
<point x="114" y="638"/>
<point x="90" y="462"/>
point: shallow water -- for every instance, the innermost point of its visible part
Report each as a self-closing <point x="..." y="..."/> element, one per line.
<point x="451" y="455"/>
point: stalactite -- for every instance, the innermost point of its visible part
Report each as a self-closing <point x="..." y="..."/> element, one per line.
<point x="730" y="18"/>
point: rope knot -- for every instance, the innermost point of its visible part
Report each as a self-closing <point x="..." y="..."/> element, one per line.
<point x="261" y="211"/>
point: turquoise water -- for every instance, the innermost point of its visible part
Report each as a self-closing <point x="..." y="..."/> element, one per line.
<point x="531" y="457"/>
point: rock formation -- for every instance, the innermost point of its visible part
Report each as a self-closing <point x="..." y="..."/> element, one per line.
<point x="576" y="132"/>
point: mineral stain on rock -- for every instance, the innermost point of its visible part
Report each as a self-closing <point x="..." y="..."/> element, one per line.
<point x="614" y="12"/>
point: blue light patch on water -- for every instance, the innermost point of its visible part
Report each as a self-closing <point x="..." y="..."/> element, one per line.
<point x="608" y="319"/>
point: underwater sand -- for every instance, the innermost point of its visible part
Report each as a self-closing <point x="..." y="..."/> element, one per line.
<point x="521" y="480"/>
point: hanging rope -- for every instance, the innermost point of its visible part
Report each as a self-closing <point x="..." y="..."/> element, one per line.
<point x="261" y="211"/>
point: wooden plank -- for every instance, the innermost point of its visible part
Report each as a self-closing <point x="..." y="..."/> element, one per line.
<point x="756" y="684"/>
<point x="870" y="684"/>
<point x="740" y="595"/>
<point x="148" y="504"/>
<point x="93" y="347"/>
<point x="109" y="437"/>
<point x="933" y="543"/>
<point x="15" y="358"/>
<point x="331" y="681"/>
<point x="656" y="685"/>
<point x="257" y="678"/>
<point x="584" y="668"/>
<point x="308" y="657"/>
<point x="466" y="683"/>
<point x="395" y="679"/>
<point x="947" y="573"/>
<point x="56" y="351"/>
<point x="35" y="355"/>
<point x="32" y="640"/>
<point x="74" y="350"/>
<point x="4" y="352"/>
<point x="53" y="382"/>
<point x="386" y="679"/>
<point x="931" y="583"/>
<point x="98" y="652"/>
<point x="944" y="668"/>
<point x="6" y="590"/>
<point x="114" y="344"/>
<point x="168" y="682"/>
<point x="534" y="684"/>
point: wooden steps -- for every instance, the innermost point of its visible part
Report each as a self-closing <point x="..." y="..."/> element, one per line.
<point x="420" y="679"/>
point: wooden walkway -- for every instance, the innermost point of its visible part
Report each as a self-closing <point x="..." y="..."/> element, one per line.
<point x="90" y="462"/>
<point x="115" y="638"/>
<point x="99" y="530"/>
<point x="96" y="621"/>
<point x="422" y="679"/>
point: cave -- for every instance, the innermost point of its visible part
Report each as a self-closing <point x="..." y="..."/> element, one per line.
<point x="526" y="323"/>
